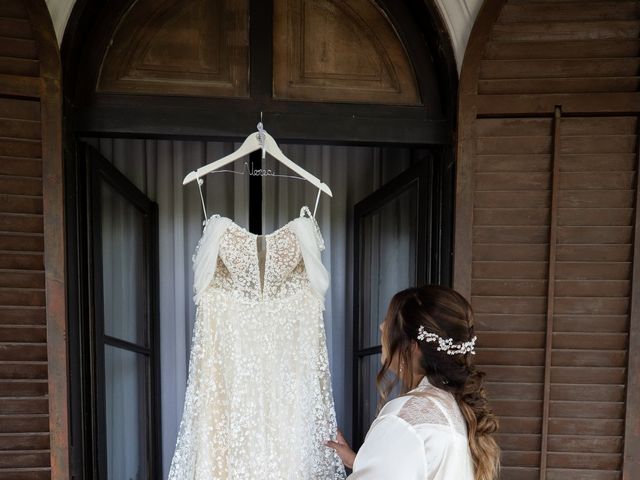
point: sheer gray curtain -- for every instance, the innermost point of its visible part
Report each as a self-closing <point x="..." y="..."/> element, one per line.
<point x="157" y="167"/>
<point x="124" y="308"/>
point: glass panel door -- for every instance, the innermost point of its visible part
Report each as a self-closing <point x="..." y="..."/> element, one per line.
<point x="390" y="255"/>
<point x="124" y="250"/>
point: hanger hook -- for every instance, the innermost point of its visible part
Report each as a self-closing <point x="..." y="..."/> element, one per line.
<point x="261" y="136"/>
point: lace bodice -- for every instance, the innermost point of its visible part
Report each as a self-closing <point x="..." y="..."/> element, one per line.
<point x="259" y="401"/>
<point x="260" y="266"/>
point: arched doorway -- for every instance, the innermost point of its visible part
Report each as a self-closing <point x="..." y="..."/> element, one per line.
<point x="356" y="90"/>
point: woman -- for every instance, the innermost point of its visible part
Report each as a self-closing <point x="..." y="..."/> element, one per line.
<point x="440" y="429"/>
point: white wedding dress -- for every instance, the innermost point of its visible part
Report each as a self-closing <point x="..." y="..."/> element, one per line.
<point x="259" y="402"/>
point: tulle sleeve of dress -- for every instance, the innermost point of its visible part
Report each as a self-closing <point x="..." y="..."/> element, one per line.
<point x="311" y="244"/>
<point x="205" y="257"/>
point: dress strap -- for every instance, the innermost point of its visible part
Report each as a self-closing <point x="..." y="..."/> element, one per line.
<point x="200" y="181"/>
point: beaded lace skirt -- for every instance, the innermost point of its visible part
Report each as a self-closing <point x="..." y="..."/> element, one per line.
<point x="259" y="402"/>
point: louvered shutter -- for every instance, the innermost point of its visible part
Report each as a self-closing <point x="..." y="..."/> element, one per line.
<point x="512" y="201"/>
<point x="594" y="214"/>
<point x="29" y="133"/>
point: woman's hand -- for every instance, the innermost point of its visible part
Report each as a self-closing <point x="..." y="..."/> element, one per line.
<point x="343" y="449"/>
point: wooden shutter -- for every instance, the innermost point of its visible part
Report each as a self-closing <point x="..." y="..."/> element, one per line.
<point x="512" y="202"/>
<point x="551" y="286"/>
<point x="596" y="191"/>
<point x="31" y="285"/>
<point x="546" y="231"/>
<point x="23" y="349"/>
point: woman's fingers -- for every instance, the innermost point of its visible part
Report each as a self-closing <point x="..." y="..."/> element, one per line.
<point x="332" y="444"/>
<point x="338" y="447"/>
<point x="343" y="450"/>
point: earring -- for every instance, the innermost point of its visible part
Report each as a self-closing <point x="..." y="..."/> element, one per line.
<point x="401" y="368"/>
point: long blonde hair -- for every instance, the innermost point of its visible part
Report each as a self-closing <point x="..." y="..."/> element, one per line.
<point x="445" y="312"/>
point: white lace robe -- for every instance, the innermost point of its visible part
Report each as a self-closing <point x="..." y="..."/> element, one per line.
<point x="419" y="436"/>
<point x="259" y="402"/>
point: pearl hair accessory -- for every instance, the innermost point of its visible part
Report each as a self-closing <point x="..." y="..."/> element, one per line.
<point x="447" y="345"/>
